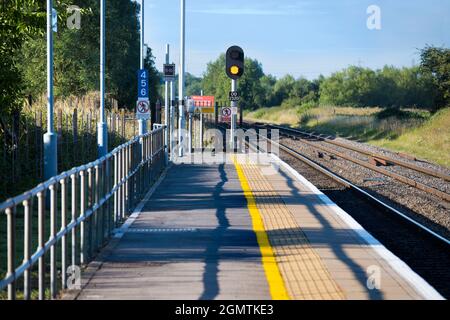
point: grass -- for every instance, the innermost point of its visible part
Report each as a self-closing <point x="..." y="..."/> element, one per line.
<point x="413" y="131"/>
<point x="278" y="115"/>
<point x="429" y="141"/>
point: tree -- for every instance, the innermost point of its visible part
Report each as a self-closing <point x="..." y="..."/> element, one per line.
<point x="193" y="84"/>
<point x="436" y="65"/>
<point x="154" y="76"/>
<point x="19" y="19"/>
<point x="77" y="55"/>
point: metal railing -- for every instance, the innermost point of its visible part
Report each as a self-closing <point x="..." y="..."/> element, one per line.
<point x="99" y="196"/>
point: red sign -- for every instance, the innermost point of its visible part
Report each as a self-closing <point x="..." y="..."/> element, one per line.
<point x="203" y="101"/>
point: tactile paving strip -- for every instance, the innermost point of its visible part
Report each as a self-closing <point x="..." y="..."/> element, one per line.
<point x="166" y="230"/>
<point x="305" y="275"/>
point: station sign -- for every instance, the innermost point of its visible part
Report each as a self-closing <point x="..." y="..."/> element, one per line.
<point x="169" y="72"/>
<point x="204" y="104"/>
<point x="143" y="109"/>
<point x="143" y="84"/>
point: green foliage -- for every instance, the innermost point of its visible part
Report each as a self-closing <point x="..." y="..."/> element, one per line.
<point x="402" y="114"/>
<point x="388" y="87"/>
<point x="19" y="19"/>
<point x="193" y="85"/>
<point x="257" y="89"/>
<point x="76" y="52"/>
<point x="436" y="65"/>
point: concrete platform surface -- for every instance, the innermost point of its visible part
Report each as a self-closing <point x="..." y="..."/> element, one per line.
<point x="246" y="231"/>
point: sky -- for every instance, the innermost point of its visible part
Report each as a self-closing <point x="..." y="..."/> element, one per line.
<point x="299" y="37"/>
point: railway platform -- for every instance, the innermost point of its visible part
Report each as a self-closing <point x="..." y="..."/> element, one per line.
<point x="244" y="230"/>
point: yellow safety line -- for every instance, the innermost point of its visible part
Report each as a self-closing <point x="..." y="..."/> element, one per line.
<point x="276" y="284"/>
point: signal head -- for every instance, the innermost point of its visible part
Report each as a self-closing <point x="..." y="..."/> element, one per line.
<point x="234" y="62"/>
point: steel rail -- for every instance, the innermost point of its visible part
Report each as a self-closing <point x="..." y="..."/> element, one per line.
<point x="411" y="182"/>
<point x="352" y="186"/>
<point x="391" y="160"/>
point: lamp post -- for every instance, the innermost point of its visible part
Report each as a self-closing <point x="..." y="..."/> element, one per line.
<point x="181" y="125"/>
<point x="50" y="138"/>
<point x="102" y="127"/>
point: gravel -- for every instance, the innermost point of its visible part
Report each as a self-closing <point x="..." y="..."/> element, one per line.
<point x="427" y="209"/>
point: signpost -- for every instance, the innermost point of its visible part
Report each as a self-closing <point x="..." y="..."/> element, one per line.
<point x="169" y="75"/>
<point x="142" y="74"/>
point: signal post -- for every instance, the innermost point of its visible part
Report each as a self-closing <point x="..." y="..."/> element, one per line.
<point x="234" y="68"/>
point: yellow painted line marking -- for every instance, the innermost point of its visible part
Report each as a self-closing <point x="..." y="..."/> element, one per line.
<point x="277" y="287"/>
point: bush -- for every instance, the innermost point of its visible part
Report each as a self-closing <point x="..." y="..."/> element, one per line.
<point x="401" y="114"/>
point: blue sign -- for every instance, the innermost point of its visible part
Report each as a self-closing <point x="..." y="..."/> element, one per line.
<point x="143" y="84"/>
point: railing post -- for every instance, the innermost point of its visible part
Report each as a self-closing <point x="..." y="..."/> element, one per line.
<point x="147" y="161"/>
<point x="11" y="244"/>
<point x="73" y="178"/>
<point x="91" y="219"/>
<point x="152" y="144"/>
<point x="41" y="243"/>
<point x="123" y="185"/>
<point x="27" y="248"/>
<point x="131" y="183"/>
<point x="104" y="191"/>
<point x="53" y="290"/>
<point x="140" y="174"/>
<point x="127" y="183"/>
<point x="116" y="193"/>
<point x="83" y="223"/>
<point x="97" y="215"/>
<point x="133" y="189"/>
<point x="64" y="237"/>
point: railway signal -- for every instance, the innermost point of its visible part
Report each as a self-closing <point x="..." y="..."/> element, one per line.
<point x="235" y="62"/>
<point x="234" y="68"/>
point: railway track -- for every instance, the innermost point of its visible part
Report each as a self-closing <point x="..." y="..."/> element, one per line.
<point x="429" y="181"/>
<point x="423" y="249"/>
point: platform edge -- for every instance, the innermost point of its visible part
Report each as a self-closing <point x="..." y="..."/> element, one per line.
<point x="403" y="270"/>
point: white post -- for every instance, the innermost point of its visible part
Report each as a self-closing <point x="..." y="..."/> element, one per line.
<point x="50" y="138"/>
<point x="181" y="125"/>
<point x="166" y="112"/>
<point x="142" y="123"/>
<point x="172" y="120"/>
<point x="201" y="127"/>
<point x="233" y="116"/>
<point x="190" y="132"/>
<point x="102" y="131"/>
